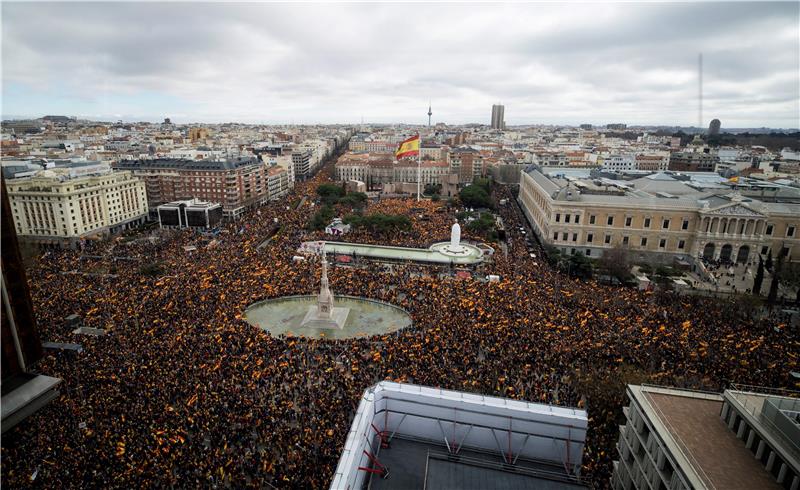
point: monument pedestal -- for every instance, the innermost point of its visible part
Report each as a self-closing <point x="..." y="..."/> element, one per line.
<point x="337" y="319"/>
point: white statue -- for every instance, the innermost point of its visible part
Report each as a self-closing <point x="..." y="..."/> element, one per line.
<point x="455" y="236"/>
<point x="325" y="300"/>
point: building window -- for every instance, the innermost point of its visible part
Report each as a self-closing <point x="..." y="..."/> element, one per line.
<point x="764" y="250"/>
<point x="681" y="244"/>
<point x="625" y="240"/>
<point x="558" y="217"/>
<point x="564" y="236"/>
<point x="574" y="237"/>
<point x="647" y="222"/>
<point x="610" y="221"/>
<point x="790" y="231"/>
<point x="685" y="224"/>
<point x="644" y="242"/>
<point x="591" y="219"/>
<point x="589" y="238"/>
<point x="628" y="220"/>
<point x="662" y="243"/>
<point x="769" y="230"/>
<point x="665" y="224"/>
<point x="577" y="219"/>
<point x="607" y="239"/>
<point x="566" y="218"/>
<point x="588" y="252"/>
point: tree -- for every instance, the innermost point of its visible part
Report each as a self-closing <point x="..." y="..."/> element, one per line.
<point x="483" y="183"/>
<point x="759" y="279"/>
<point x="776" y="280"/>
<point x="432" y="189"/>
<point x="484" y="225"/>
<point x="768" y="265"/>
<point x="580" y="266"/>
<point x="330" y="193"/>
<point x="552" y="254"/>
<point x="475" y="197"/>
<point x="356" y="200"/>
<point x="379" y="223"/>
<point x="616" y="262"/>
<point x="321" y="218"/>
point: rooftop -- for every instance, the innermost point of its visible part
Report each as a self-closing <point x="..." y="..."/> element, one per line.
<point x="185" y="164"/>
<point x="433" y="438"/>
<point x="690" y="190"/>
<point x="423" y="464"/>
<point x="691" y="426"/>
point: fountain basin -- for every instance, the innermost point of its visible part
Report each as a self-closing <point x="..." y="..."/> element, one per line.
<point x="367" y="317"/>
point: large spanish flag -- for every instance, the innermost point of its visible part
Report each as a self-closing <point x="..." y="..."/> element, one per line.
<point x="408" y="148"/>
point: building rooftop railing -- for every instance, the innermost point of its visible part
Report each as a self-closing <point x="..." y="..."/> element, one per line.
<point x="765" y="390"/>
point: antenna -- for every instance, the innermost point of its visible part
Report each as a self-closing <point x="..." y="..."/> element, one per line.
<point x="700" y="91"/>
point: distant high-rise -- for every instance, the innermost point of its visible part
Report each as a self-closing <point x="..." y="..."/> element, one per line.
<point x="430" y="113"/>
<point x="498" y="114"/>
<point x="713" y="128"/>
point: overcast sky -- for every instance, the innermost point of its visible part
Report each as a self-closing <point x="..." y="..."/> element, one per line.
<point x="275" y="63"/>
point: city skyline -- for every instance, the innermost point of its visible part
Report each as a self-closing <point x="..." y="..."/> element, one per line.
<point x="280" y="64"/>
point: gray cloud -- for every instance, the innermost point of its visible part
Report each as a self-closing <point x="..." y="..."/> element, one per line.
<point x="334" y="63"/>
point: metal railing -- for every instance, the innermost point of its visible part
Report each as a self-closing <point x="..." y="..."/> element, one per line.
<point x="765" y="390"/>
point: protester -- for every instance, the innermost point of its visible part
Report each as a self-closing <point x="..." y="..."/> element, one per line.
<point x="184" y="393"/>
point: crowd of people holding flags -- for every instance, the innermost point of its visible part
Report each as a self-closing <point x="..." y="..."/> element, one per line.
<point x="182" y="392"/>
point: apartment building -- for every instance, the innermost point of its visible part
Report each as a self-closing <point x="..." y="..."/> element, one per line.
<point x="652" y="161"/>
<point x="278" y="183"/>
<point x="662" y="216"/>
<point x="301" y="159"/>
<point x="744" y="438"/>
<point x="236" y="183"/>
<point x="61" y="206"/>
<point x="682" y="161"/>
<point x="467" y="163"/>
<point x="619" y="162"/>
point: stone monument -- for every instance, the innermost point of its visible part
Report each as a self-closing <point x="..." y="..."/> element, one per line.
<point x="454" y="248"/>
<point x="325" y="314"/>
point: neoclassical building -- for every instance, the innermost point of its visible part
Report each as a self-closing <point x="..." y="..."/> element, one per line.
<point x="660" y="216"/>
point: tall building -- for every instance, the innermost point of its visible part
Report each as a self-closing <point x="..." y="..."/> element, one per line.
<point x="61" y="206"/>
<point x="713" y="128"/>
<point x="498" y="116"/>
<point x="301" y="158"/>
<point x="24" y="391"/>
<point x="745" y="438"/>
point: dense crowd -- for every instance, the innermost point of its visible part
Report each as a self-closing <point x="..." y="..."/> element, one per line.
<point x="184" y="393"/>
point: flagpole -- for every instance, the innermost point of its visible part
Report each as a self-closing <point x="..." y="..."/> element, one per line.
<point x="419" y="166"/>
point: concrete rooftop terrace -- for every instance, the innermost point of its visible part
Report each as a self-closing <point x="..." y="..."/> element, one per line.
<point x="712" y="450"/>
